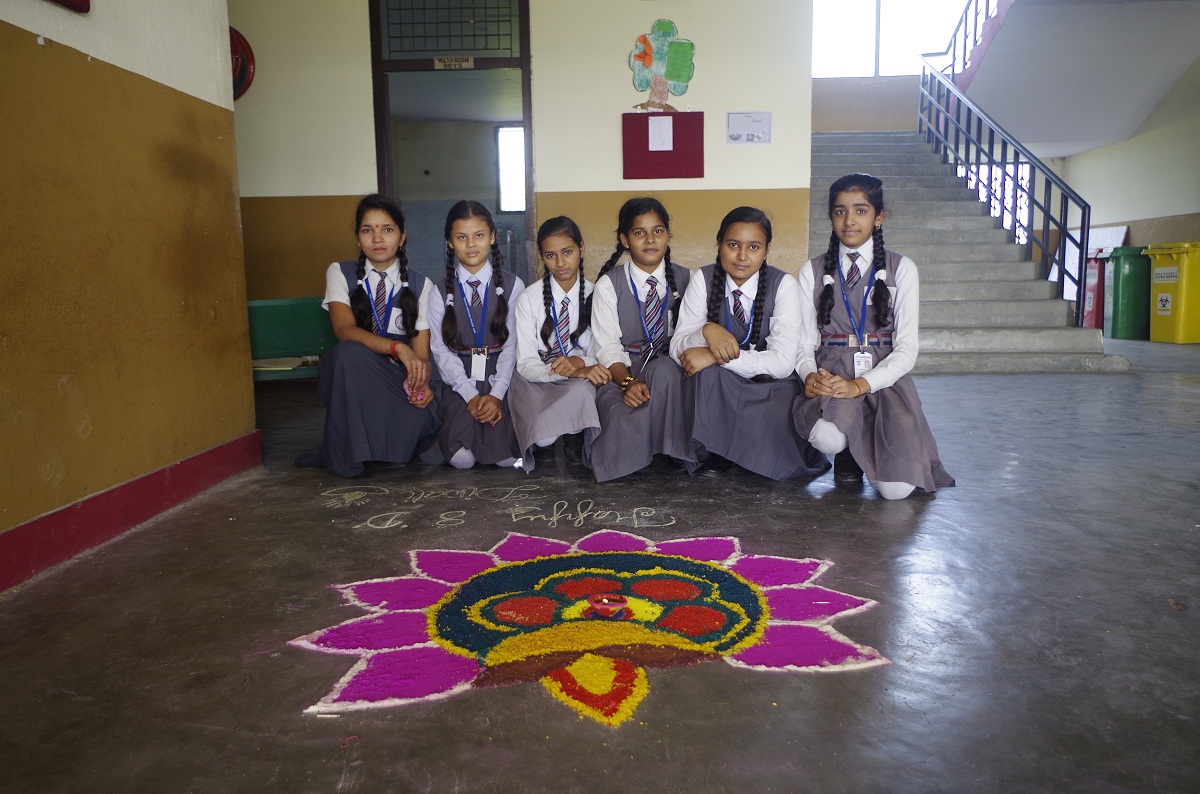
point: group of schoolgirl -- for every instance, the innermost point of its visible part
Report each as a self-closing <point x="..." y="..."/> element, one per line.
<point x="735" y="364"/>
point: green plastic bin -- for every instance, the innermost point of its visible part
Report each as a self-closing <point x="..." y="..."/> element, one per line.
<point x="296" y="328"/>
<point x="1127" y="293"/>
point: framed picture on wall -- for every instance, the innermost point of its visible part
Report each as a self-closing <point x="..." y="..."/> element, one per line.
<point x="82" y="6"/>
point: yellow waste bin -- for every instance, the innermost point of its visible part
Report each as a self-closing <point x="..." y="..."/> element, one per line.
<point x="1174" y="292"/>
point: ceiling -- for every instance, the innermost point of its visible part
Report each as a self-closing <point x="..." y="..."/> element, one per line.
<point x="492" y="95"/>
<point x="1068" y="76"/>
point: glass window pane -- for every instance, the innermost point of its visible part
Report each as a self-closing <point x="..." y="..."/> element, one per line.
<point x="843" y="38"/>
<point x="906" y="33"/>
<point x="510" y="145"/>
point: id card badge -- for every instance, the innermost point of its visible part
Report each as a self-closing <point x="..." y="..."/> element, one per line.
<point x="479" y="367"/>
<point x="862" y="363"/>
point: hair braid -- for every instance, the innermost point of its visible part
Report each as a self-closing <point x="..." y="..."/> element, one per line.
<point x="360" y="302"/>
<point x="450" y="318"/>
<point x="716" y="293"/>
<point x="499" y="326"/>
<point x="585" y="308"/>
<point x="880" y="294"/>
<point x="673" y="298"/>
<point x="612" y="260"/>
<point x="407" y="301"/>
<point x="825" y="306"/>
<point x="548" y="300"/>
<point x="760" y="300"/>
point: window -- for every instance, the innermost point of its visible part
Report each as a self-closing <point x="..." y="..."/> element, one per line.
<point x="844" y="35"/>
<point x="510" y="159"/>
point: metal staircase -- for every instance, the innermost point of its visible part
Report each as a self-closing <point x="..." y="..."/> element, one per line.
<point x="984" y="306"/>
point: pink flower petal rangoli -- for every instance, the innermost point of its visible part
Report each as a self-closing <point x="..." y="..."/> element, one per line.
<point x="585" y="620"/>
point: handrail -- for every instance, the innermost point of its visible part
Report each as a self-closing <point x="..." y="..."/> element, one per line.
<point x="967" y="33"/>
<point x="1018" y="187"/>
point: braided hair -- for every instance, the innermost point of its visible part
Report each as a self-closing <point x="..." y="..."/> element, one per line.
<point x="881" y="297"/>
<point x="716" y="287"/>
<point x="360" y="301"/>
<point x="464" y="210"/>
<point x="564" y="226"/>
<point x="629" y="212"/>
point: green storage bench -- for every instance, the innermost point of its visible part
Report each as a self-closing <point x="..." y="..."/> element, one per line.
<point x="287" y="337"/>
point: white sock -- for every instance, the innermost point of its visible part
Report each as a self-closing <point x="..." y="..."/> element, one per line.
<point x="827" y="438"/>
<point x="894" y="490"/>
<point x="507" y="463"/>
<point x="463" y="459"/>
<point x="546" y="442"/>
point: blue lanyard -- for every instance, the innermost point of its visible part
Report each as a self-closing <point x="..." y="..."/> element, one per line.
<point x="554" y="319"/>
<point x="860" y="336"/>
<point x="387" y="318"/>
<point x="729" y="325"/>
<point x="641" y="311"/>
<point x="477" y="333"/>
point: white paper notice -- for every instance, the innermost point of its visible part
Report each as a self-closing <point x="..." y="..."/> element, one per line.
<point x="662" y="133"/>
<point x="748" y="127"/>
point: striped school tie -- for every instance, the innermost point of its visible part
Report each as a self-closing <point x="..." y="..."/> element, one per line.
<point x="380" y="302"/>
<point x="738" y="311"/>
<point x="854" y="273"/>
<point x="656" y="316"/>
<point x="474" y="285"/>
<point x="564" y="325"/>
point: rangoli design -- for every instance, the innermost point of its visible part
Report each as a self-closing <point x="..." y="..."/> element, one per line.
<point x="585" y="620"/>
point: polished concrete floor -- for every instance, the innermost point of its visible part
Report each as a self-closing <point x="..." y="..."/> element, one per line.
<point x="1036" y="617"/>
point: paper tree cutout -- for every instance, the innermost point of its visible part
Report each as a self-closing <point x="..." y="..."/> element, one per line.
<point x="661" y="63"/>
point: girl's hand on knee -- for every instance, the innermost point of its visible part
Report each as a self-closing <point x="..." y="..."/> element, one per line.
<point x="819" y="384"/>
<point x="418" y="395"/>
<point x="636" y="395"/>
<point x="722" y="343"/>
<point x="566" y="366"/>
<point x="597" y="374"/>
<point x="695" y="359"/>
<point x="490" y="410"/>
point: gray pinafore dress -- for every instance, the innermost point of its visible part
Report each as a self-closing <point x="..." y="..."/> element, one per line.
<point x="549" y="410"/>
<point x="886" y="430"/>
<point x="488" y="444"/>
<point x="744" y="420"/>
<point x="629" y="438"/>
<point x="367" y="414"/>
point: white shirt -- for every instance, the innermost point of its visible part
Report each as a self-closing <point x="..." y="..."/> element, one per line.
<point x="778" y="360"/>
<point x="337" y="292"/>
<point x="454" y="373"/>
<point x="606" y="322"/>
<point x="906" y="306"/>
<point x="531" y="313"/>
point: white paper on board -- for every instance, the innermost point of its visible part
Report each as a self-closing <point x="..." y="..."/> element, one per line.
<point x="662" y="133"/>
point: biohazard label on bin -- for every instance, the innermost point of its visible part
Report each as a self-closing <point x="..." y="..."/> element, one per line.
<point x="1166" y="275"/>
<point x="1164" y="303"/>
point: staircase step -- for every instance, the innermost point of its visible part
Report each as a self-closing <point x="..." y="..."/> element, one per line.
<point x="995" y="314"/>
<point x="1016" y="363"/>
<point x="969" y="339"/>
<point x="872" y="137"/>
<point x="890" y="173"/>
<point x="904" y="239"/>
<point x="962" y="253"/>
<point x="1023" y="290"/>
<point x="934" y="272"/>
<point x="868" y="159"/>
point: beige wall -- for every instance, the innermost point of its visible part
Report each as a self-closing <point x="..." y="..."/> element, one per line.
<point x="744" y="62"/>
<point x="122" y="294"/>
<point x="305" y="139"/>
<point x="842" y="104"/>
<point x="1150" y="182"/>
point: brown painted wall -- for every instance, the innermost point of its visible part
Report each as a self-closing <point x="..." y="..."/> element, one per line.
<point x="841" y="104"/>
<point x="290" y="241"/>
<point x="695" y="217"/>
<point x="1173" y="229"/>
<point x="122" y="296"/>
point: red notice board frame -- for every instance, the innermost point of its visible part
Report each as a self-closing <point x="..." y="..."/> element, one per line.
<point x="684" y="161"/>
<point x="82" y="6"/>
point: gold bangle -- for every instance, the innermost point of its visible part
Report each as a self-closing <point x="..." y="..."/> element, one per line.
<point x="627" y="382"/>
<point x="857" y="391"/>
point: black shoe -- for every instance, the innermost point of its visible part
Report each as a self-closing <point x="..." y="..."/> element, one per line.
<point x="573" y="447"/>
<point x="716" y="466"/>
<point x="845" y="468"/>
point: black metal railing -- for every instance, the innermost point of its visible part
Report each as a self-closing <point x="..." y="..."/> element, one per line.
<point x="1038" y="208"/>
<point x="967" y="34"/>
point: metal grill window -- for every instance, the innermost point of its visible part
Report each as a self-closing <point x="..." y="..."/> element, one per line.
<point x="421" y="29"/>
